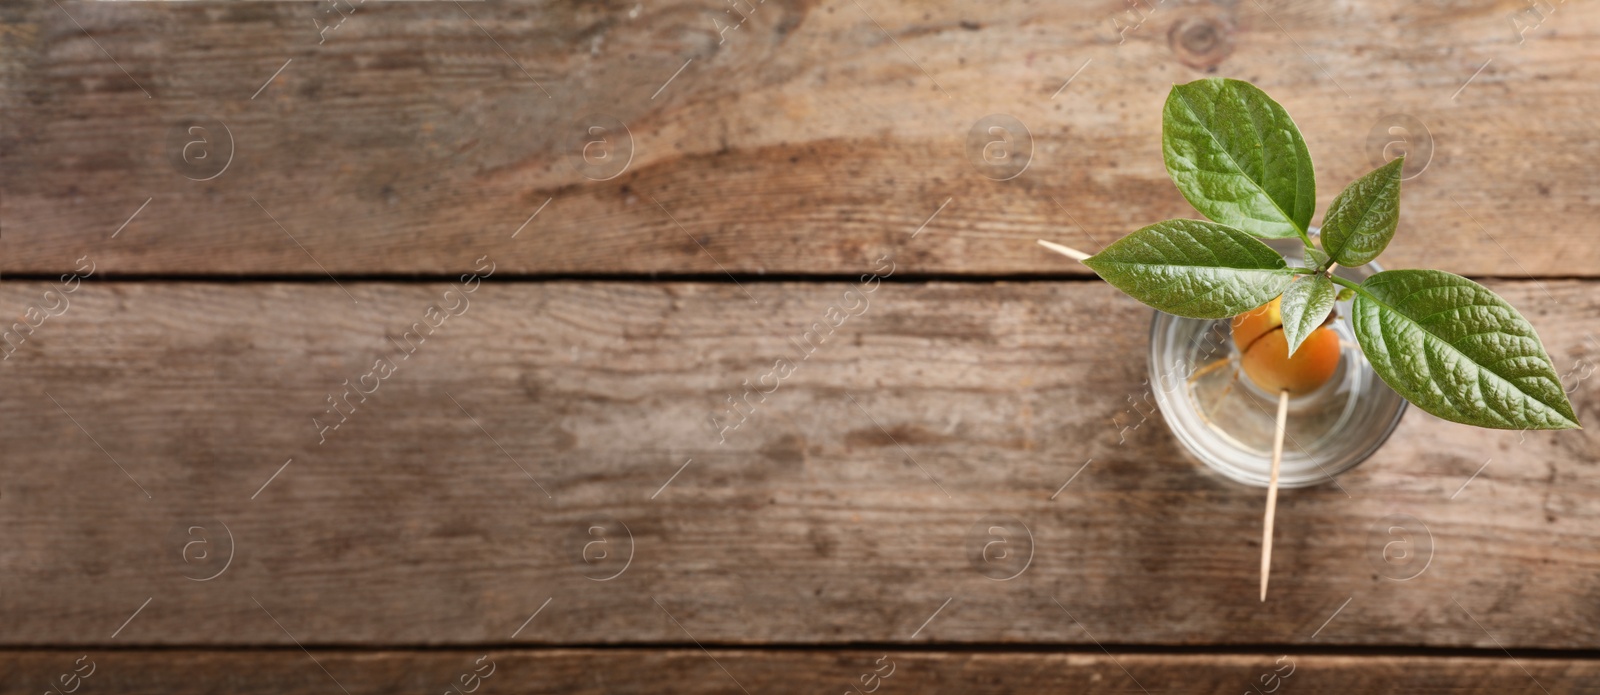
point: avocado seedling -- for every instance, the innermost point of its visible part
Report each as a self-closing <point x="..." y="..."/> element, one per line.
<point x="1260" y="337"/>
<point x="1446" y="344"/>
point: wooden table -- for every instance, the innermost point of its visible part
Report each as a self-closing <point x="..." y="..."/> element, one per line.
<point x="281" y="440"/>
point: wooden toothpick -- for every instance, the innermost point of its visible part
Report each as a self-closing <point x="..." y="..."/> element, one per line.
<point x="1067" y="251"/>
<point x="1272" y="490"/>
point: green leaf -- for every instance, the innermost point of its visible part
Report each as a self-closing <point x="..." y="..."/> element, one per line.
<point x="1194" y="268"/>
<point x="1316" y="259"/>
<point x="1238" y="158"/>
<point x="1459" y="351"/>
<point x="1346" y="294"/>
<point x="1361" y="220"/>
<point x="1306" y="304"/>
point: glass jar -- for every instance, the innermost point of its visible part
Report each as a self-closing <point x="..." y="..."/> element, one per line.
<point x="1227" y="422"/>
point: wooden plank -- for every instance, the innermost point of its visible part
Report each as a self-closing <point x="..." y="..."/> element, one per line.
<point x="789" y="145"/>
<point x="425" y="518"/>
<point x="617" y="671"/>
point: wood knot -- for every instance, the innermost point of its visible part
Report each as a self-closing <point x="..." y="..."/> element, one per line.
<point x="1201" y="42"/>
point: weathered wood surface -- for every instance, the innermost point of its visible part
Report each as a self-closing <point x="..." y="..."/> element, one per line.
<point x="816" y="522"/>
<point x="786" y="146"/>
<point x="621" y="671"/>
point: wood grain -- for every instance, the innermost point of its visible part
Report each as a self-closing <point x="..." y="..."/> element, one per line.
<point x="789" y="145"/>
<point x="424" y="519"/>
<point x="620" y="671"/>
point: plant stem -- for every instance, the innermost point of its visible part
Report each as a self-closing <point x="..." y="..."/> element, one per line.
<point x="1352" y="285"/>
